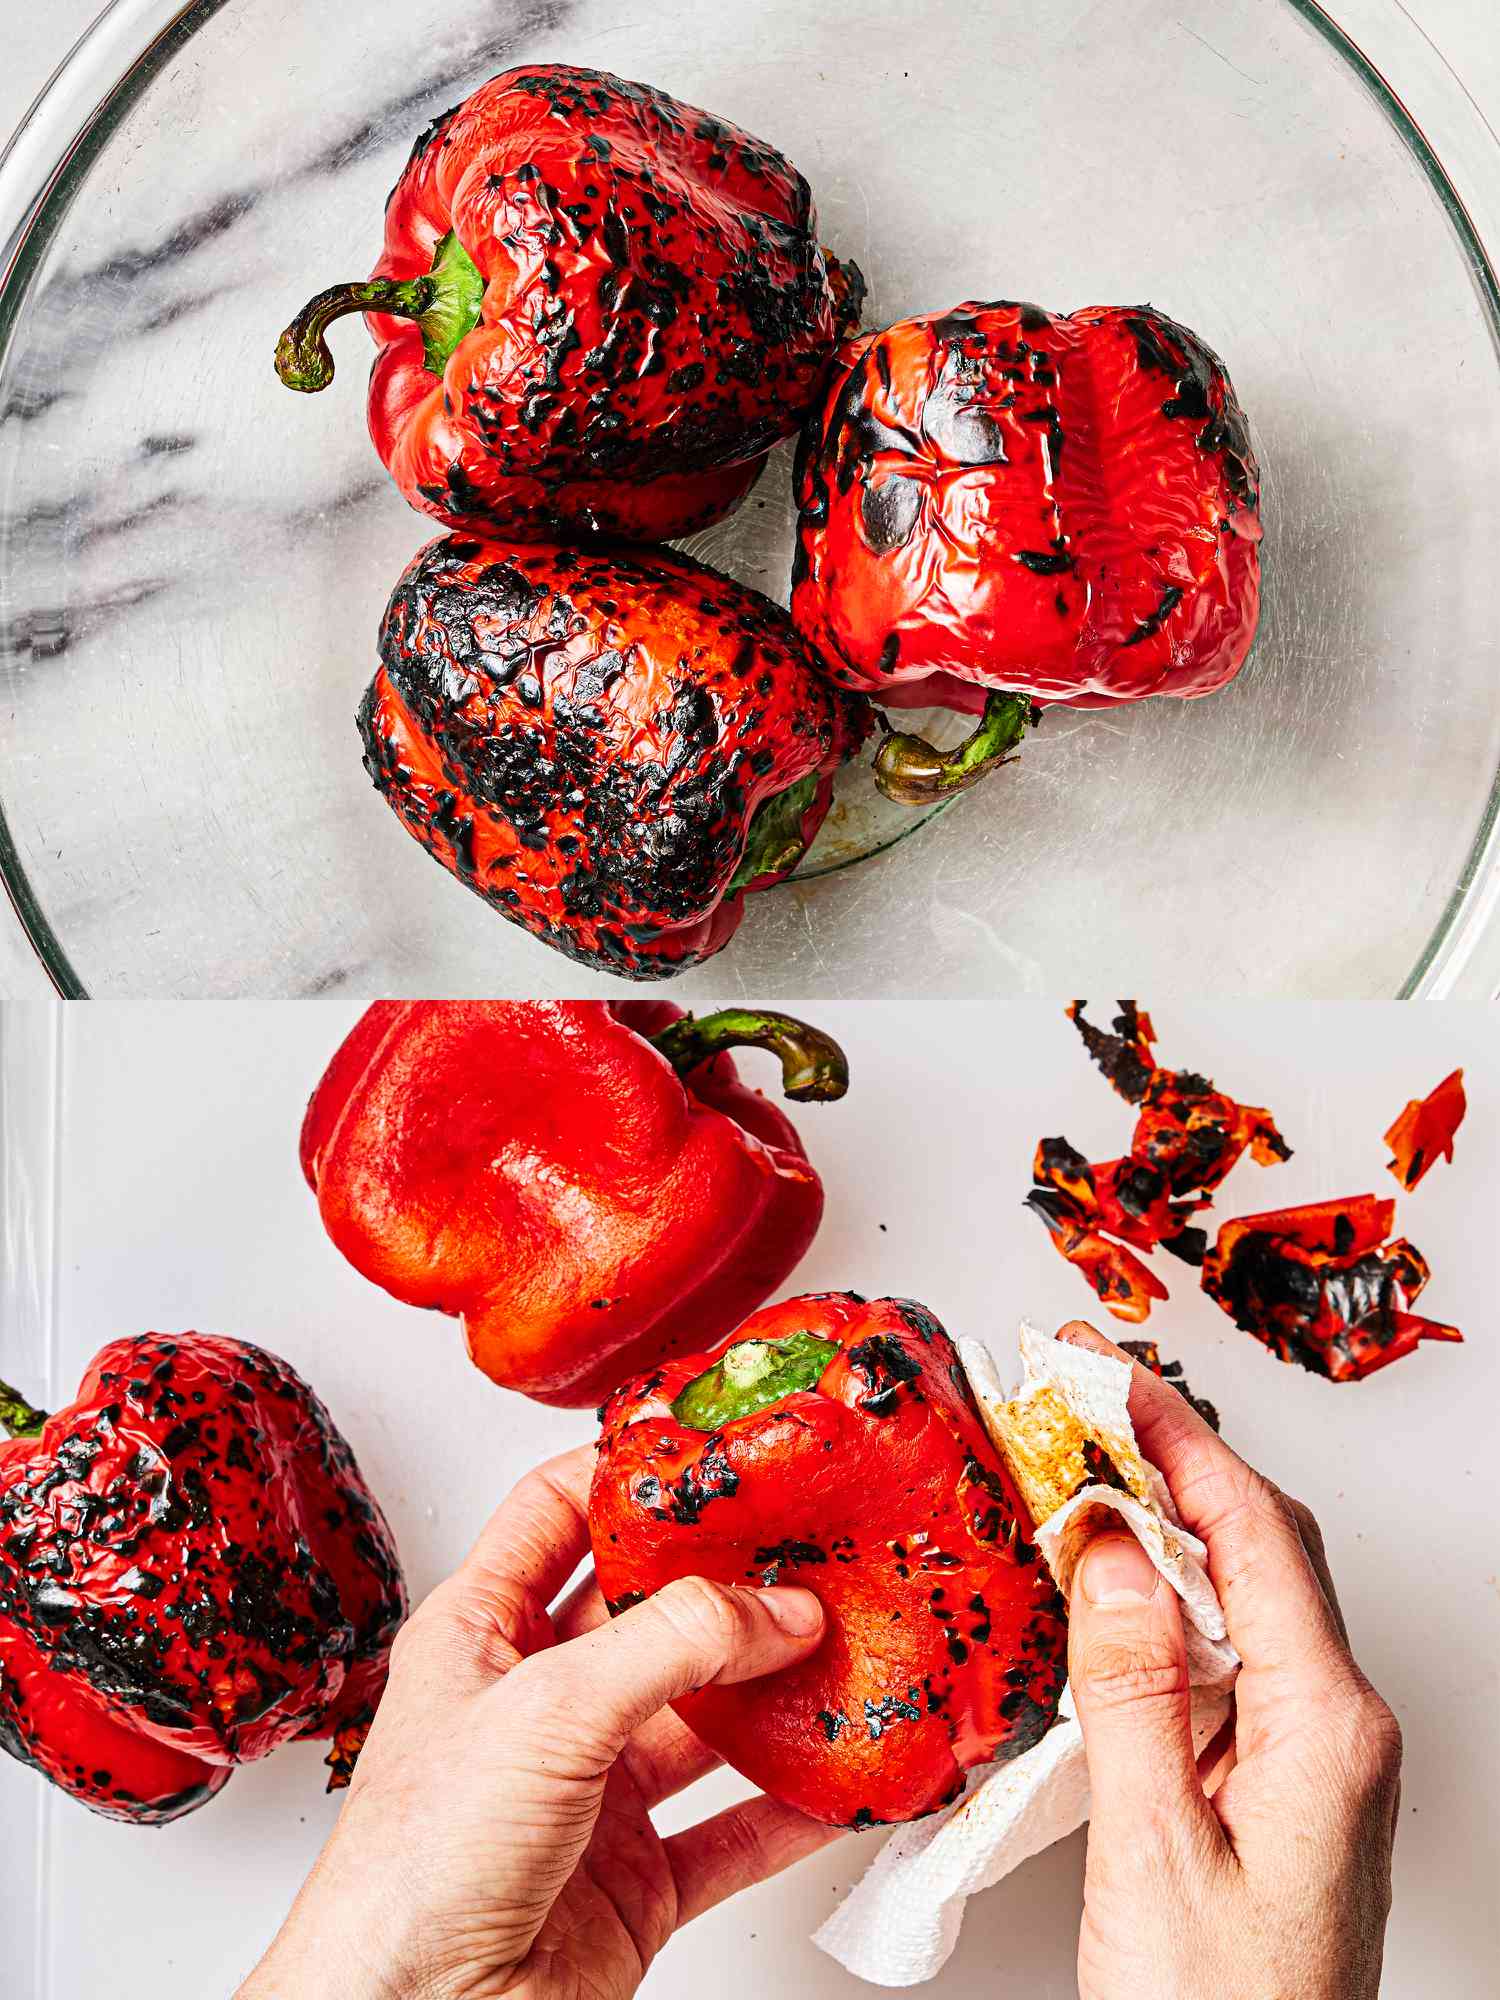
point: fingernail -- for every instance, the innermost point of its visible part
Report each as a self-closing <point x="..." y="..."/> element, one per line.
<point x="795" y="1611"/>
<point x="1116" y="1570"/>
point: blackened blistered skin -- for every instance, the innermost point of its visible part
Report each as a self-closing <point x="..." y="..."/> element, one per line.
<point x="584" y="738"/>
<point x="1324" y="1286"/>
<point x="192" y="1573"/>
<point x="647" y="311"/>
<point x="1424" y="1132"/>
<point x="1187" y="1138"/>
<point x="1062" y="505"/>
<point x="1149" y="1356"/>
<point x="878" y="1488"/>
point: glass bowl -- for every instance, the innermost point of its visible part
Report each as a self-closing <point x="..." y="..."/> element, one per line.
<point x="192" y="562"/>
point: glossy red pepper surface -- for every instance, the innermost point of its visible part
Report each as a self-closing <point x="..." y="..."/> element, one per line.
<point x="878" y="1489"/>
<point x="653" y="311"/>
<point x="609" y="747"/>
<point x="1065" y="505"/>
<point x="541" y="1170"/>
<point x="1323" y="1286"/>
<point x="192" y="1573"/>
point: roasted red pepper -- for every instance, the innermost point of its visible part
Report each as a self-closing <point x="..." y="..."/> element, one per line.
<point x="834" y="1443"/>
<point x="596" y="310"/>
<point x="1423" y="1134"/>
<point x="1323" y="1286"/>
<point x="589" y="1186"/>
<point x="609" y="748"/>
<point x="999" y="503"/>
<point x="192" y="1573"/>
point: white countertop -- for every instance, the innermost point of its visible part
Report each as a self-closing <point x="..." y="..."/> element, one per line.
<point x="178" y="1203"/>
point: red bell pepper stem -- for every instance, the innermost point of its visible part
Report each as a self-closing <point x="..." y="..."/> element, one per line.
<point x="303" y="359"/>
<point x="814" y="1068"/>
<point x="911" y="773"/>
<point x="18" y="1419"/>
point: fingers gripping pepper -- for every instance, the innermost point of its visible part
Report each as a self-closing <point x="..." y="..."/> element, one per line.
<point x="834" y="1443"/>
<point x="609" y="749"/>
<point x="1000" y="504"/>
<point x="1323" y="1286"/>
<point x="192" y="1573"/>
<point x="1423" y="1134"/>
<point x="596" y="310"/>
<point x="587" y="1199"/>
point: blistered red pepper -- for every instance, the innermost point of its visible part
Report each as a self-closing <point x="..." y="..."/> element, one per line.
<point x="590" y="1186"/>
<point x="596" y="310"/>
<point x="611" y="749"/>
<point x="192" y="1573"/>
<point x="1423" y="1134"/>
<point x="833" y="1443"/>
<point x="1323" y="1285"/>
<point x="999" y="503"/>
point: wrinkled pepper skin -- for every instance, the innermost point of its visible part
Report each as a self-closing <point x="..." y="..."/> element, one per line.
<point x="877" y="1488"/>
<point x="585" y="740"/>
<point x="192" y="1573"/>
<point x="1324" y="1286"/>
<point x="540" y="1170"/>
<point x="1062" y="505"/>
<point x="653" y="311"/>
<point x="1425" y="1130"/>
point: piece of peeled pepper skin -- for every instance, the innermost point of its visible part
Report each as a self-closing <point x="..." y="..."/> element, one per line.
<point x="588" y="1185"/>
<point x="596" y="310"/>
<point x="1001" y="506"/>
<point x="1324" y="1286"/>
<point x="192" y="1573"/>
<point x="610" y="747"/>
<point x="870" y="1480"/>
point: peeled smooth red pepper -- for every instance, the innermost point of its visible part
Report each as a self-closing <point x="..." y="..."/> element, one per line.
<point x="192" y="1573"/>
<point x="1323" y="1286"/>
<point x="588" y="1185"/>
<point x="596" y="310"/>
<point x="1423" y="1134"/>
<point x="833" y="1443"/>
<point x="610" y="748"/>
<point x="1001" y="505"/>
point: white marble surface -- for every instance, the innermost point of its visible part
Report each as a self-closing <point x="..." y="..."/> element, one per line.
<point x="194" y="561"/>
<point x="178" y="1203"/>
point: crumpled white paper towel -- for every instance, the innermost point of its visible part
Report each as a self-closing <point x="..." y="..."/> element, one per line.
<point x="899" y="1924"/>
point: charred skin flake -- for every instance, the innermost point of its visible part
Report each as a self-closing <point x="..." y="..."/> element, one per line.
<point x="887" y="1368"/>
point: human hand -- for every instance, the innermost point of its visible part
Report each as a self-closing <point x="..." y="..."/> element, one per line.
<point x="1263" y="1870"/>
<point x="497" y="1835"/>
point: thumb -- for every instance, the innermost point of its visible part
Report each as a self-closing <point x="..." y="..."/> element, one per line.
<point x="1127" y="1666"/>
<point x="690" y="1633"/>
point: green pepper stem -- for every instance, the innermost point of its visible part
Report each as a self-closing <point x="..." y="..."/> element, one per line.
<point x="909" y="771"/>
<point x="18" y="1419"/>
<point x="814" y="1068"/>
<point x="303" y="358"/>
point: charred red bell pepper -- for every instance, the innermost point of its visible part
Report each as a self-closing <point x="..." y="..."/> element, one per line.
<point x="192" y="1573"/>
<point x="1423" y="1134"/>
<point x="596" y="310"/>
<point x="589" y="1186"/>
<point x="609" y="748"/>
<point x="1323" y="1286"/>
<point x="834" y="1443"/>
<point x="1149" y="1355"/>
<point x="999" y="503"/>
